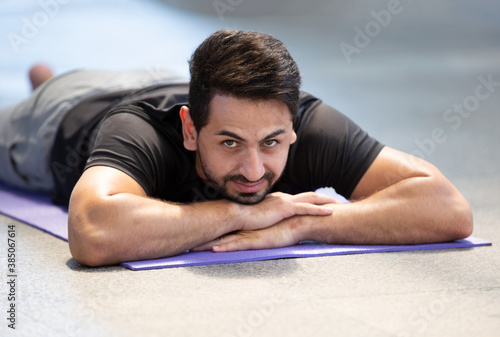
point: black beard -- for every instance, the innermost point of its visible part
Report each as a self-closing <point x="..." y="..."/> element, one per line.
<point x="241" y="198"/>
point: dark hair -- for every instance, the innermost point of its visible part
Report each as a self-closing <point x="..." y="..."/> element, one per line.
<point x="244" y="65"/>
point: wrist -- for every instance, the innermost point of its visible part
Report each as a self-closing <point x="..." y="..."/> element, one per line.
<point x="235" y="214"/>
<point x="315" y="227"/>
<point x="300" y="227"/>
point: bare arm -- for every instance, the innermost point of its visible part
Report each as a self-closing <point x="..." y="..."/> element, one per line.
<point x="111" y="219"/>
<point x="401" y="199"/>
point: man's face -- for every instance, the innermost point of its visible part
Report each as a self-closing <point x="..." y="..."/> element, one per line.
<point x="243" y="149"/>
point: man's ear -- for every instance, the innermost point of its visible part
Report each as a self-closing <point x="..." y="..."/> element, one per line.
<point x="294" y="137"/>
<point x="188" y="129"/>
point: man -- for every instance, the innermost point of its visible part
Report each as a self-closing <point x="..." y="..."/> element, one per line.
<point x="231" y="170"/>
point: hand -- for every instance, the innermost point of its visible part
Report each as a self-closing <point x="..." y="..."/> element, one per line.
<point x="279" y="235"/>
<point x="279" y="206"/>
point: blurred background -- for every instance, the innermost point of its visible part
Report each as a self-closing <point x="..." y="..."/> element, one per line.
<point x="395" y="67"/>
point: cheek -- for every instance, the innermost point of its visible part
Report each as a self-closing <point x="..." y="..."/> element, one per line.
<point x="217" y="161"/>
<point x="277" y="161"/>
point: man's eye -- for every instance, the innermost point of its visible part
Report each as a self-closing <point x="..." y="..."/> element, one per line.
<point x="230" y="143"/>
<point x="271" y="143"/>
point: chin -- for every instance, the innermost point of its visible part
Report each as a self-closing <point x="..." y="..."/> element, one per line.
<point x="247" y="198"/>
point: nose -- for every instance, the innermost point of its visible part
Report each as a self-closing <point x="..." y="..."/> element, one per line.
<point x="252" y="166"/>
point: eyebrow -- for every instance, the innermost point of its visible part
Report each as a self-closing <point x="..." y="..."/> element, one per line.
<point x="235" y="136"/>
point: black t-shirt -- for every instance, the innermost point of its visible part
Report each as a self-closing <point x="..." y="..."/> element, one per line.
<point x="140" y="134"/>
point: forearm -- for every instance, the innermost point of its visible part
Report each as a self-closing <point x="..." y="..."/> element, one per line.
<point x="115" y="227"/>
<point x="414" y="210"/>
<point x="125" y="227"/>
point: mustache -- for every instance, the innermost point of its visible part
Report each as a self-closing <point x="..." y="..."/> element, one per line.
<point x="269" y="176"/>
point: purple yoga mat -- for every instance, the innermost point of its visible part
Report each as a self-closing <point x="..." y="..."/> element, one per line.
<point x="36" y="210"/>
<point x="300" y="250"/>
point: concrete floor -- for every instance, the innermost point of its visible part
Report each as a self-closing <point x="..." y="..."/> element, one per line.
<point x="429" y="56"/>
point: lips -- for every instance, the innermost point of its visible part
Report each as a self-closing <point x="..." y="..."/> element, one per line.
<point x="248" y="187"/>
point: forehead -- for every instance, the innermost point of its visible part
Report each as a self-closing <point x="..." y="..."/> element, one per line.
<point x="230" y="112"/>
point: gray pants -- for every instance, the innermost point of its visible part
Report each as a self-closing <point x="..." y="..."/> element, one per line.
<point x="28" y="129"/>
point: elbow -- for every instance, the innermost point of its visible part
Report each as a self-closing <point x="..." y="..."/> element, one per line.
<point x="87" y="242"/>
<point x="466" y="224"/>
<point x="451" y="217"/>
<point x="460" y="219"/>
<point x="87" y="248"/>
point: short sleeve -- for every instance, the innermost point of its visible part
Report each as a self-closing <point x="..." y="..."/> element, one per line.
<point x="331" y="150"/>
<point x="129" y="143"/>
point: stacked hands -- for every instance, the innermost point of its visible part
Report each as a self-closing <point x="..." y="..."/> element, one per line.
<point x="273" y="223"/>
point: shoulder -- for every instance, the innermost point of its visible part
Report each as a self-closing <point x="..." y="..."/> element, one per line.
<point x="331" y="150"/>
<point x="317" y="118"/>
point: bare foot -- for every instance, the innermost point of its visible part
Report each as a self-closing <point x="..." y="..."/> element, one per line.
<point x="38" y="74"/>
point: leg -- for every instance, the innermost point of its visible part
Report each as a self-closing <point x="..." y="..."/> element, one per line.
<point x="28" y="129"/>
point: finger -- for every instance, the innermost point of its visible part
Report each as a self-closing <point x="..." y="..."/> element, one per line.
<point x="243" y="243"/>
<point x="273" y="237"/>
<point x="209" y="245"/>
<point x="278" y="194"/>
<point x="314" y="198"/>
<point x="310" y="209"/>
<point x="203" y="247"/>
